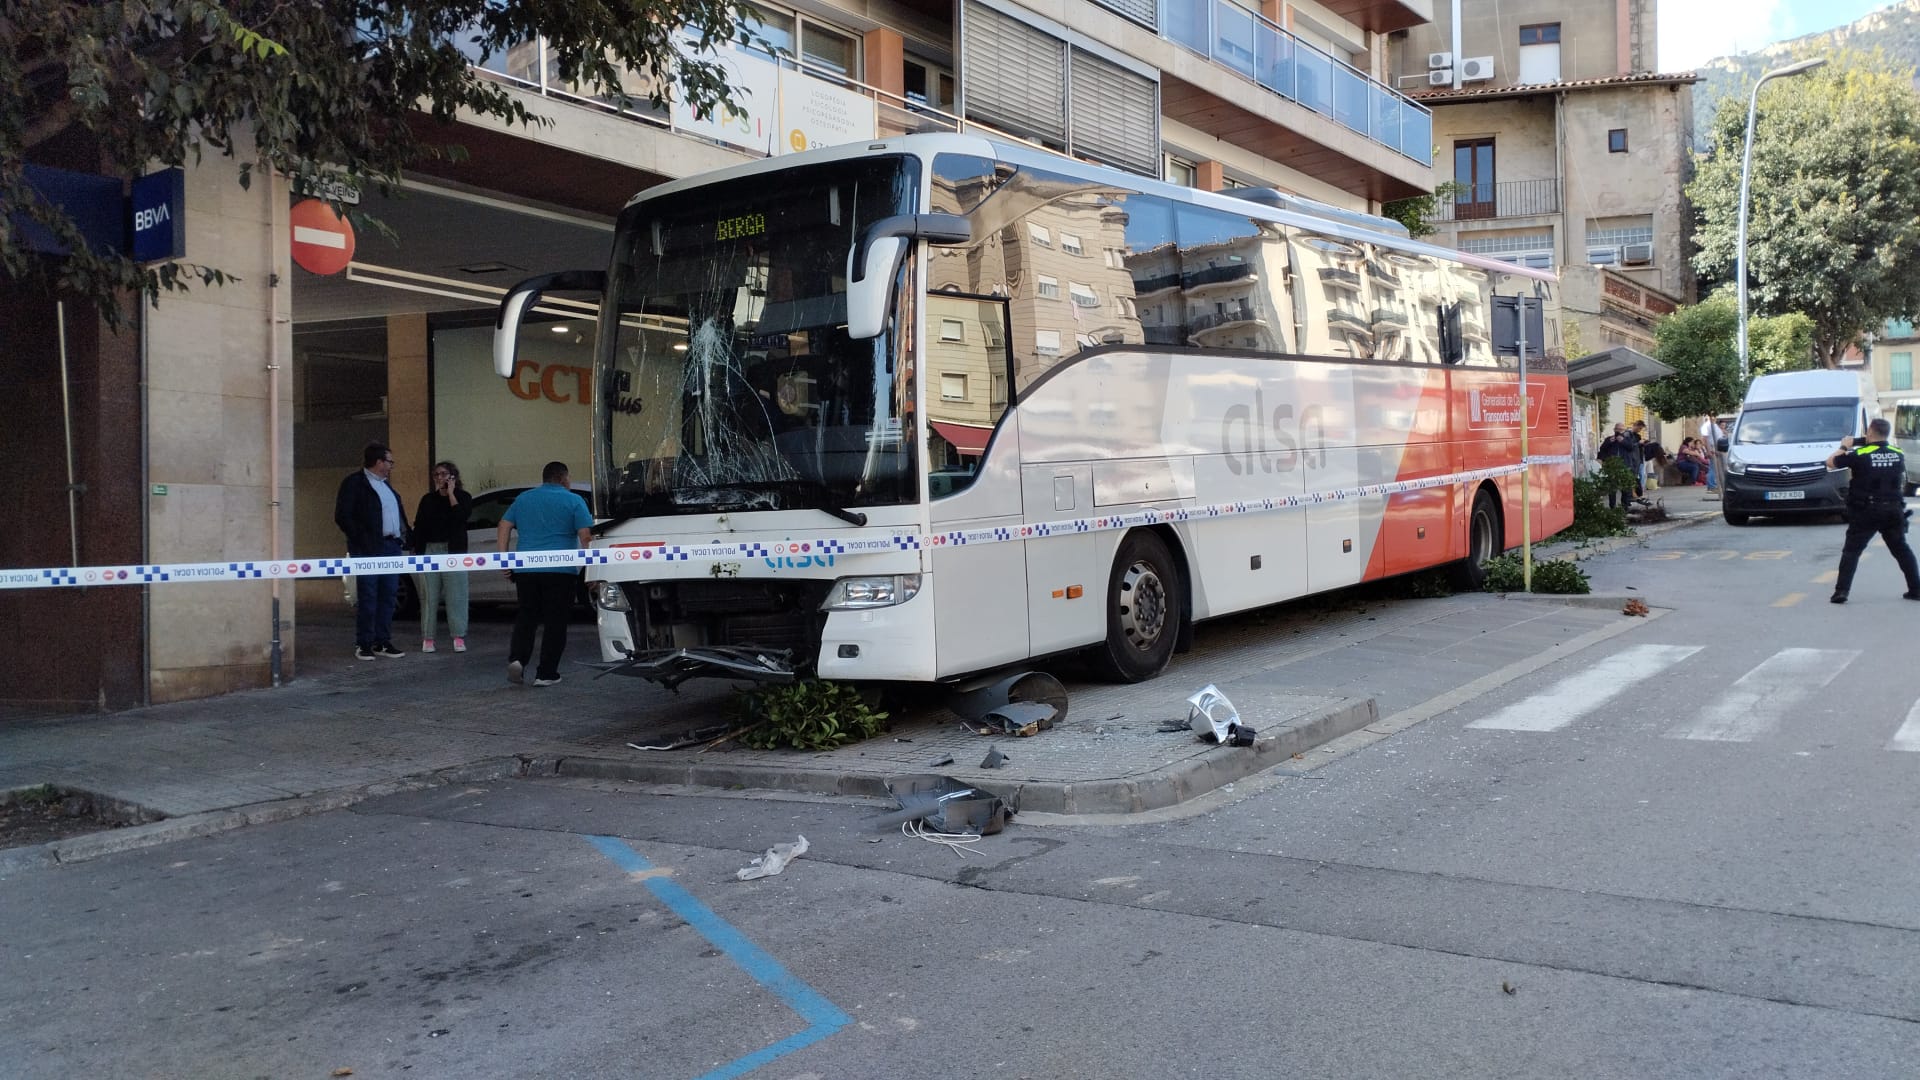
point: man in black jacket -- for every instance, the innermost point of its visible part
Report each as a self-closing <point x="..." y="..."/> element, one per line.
<point x="375" y="523"/>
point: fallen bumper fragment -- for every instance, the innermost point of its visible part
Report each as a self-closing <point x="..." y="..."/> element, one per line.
<point x="671" y="667"/>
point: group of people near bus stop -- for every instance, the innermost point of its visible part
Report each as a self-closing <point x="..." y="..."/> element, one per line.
<point x="1693" y="460"/>
<point x="545" y="518"/>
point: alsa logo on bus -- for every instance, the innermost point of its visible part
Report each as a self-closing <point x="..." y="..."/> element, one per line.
<point x="1250" y="432"/>
<point x="796" y="556"/>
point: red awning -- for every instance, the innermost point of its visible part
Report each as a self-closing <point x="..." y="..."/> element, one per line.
<point x="969" y="439"/>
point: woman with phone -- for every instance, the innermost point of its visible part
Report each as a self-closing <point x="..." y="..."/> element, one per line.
<point x="440" y="528"/>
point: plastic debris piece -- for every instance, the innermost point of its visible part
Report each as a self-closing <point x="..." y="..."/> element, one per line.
<point x="1027" y="687"/>
<point x="994" y="758"/>
<point x="774" y="861"/>
<point x="946" y="805"/>
<point x="1215" y="719"/>
<point x="948" y="760"/>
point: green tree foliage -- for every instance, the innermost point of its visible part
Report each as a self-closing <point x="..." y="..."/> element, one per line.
<point x="1833" y="226"/>
<point x="1700" y="343"/>
<point x="347" y="90"/>
<point x="1416" y="213"/>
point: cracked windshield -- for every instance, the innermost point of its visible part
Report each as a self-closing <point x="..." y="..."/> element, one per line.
<point x="731" y="383"/>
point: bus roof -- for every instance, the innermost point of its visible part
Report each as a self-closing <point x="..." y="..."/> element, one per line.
<point x="926" y="146"/>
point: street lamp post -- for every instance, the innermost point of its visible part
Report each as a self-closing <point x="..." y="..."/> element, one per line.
<point x="1746" y="170"/>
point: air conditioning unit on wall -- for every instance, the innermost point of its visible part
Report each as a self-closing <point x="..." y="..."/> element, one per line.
<point x="1439" y="59"/>
<point x="1476" y="69"/>
<point x="1636" y="254"/>
<point x="1442" y="77"/>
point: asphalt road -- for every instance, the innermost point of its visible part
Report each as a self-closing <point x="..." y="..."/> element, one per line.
<point x="1685" y="851"/>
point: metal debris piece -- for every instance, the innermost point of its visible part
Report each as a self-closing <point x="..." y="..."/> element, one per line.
<point x="994" y="758"/>
<point x="1215" y="719"/>
<point x="946" y="805"/>
<point x="774" y="861"/>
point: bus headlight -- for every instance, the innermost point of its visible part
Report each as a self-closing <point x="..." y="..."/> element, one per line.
<point x="857" y="593"/>
<point x="607" y="596"/>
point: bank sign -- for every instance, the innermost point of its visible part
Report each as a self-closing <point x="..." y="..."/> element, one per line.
<point x="157" y="220"/>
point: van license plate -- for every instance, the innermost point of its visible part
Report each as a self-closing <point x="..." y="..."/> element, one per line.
<point x="1783" y="496"/>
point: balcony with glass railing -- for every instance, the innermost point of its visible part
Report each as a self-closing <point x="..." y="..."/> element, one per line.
<point x="1245" y="42"/>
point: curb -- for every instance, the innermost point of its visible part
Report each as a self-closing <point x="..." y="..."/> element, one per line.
<point x="1580" y="551"/>
<point x="1153" y="790"/>
<point x="207" y="823"/>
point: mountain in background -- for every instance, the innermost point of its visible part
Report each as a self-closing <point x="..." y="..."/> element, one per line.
<point x="1894" y="29"/>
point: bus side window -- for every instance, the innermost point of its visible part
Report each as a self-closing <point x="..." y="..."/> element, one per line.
<point x="1232" y="280"/>
<point x="1338" y="323"/>
<point x="962" y="184"/>
<point x="967" y="368"/>
<point x="1153" y="263"/>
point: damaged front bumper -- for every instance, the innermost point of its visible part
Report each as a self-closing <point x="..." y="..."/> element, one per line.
<point x="671" y="667"/>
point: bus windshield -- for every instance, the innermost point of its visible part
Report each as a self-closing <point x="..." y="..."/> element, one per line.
<point x="727" y="380"/>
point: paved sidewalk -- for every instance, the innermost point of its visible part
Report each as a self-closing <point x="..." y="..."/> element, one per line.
<point x="1301" y="674"/>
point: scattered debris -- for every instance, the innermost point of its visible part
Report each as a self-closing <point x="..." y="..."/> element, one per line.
<point x="774" y="861"/>
<point x="946" y="805"/>
<point x="1635" y="606"/>
<point x="341" y="1072"/>
<point x="994" y="758"/>
<point x="1215" y="719"/>
<point x="948" y="760"/>
<point x="1508" y="988"/>
<point x="1020" y="705"/>
<point x="1167" y="727"/>
<point x="707" y="735"/>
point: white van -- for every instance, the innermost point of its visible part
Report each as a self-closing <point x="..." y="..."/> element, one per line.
<point x="1788" y="426"/>
<point x="1906" y="435"/>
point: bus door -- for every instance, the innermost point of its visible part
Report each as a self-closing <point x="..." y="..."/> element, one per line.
<point x="973" y="483"/>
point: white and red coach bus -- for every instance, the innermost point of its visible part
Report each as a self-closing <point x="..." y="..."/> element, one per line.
<point x="932" y="406"/>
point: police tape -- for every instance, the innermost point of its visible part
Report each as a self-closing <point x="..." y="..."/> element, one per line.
<point x="644" y="552"/>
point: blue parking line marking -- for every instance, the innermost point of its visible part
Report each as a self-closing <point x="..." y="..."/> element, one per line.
<point x="822" y="1016"/>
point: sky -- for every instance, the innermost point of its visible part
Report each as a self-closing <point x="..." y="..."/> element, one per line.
<point x="1692" y="32"/>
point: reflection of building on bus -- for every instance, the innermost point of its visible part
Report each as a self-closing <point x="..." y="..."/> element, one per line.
<point x="1278" y="401"/>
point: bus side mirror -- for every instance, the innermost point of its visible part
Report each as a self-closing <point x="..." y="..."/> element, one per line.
<point x="522" y="297"/>
<point x="875" y="259"/>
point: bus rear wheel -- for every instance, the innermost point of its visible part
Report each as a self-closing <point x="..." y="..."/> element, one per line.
<point x="1143" y="611"/>
<point x="1483" y="543"/>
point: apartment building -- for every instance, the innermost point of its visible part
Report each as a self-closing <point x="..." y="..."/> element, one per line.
<point x="220" y="426"/>
<point x="1572" y="154"/>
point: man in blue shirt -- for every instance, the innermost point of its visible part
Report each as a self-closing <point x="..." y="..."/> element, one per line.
<point x="550" y="517"/>
<point x="375" y="523"/>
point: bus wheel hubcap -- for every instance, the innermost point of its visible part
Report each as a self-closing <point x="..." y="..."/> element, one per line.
<point x="1143" y="605"/>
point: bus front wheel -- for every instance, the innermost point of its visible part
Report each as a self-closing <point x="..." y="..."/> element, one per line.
<point x="1483" y="543"/>
<point x="1143" y="610"/>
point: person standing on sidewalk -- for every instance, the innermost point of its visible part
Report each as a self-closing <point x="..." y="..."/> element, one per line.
<point x="1874" y="505"/>
<point x="1711" y="433"/>
<point x="548" y="518"/>
<point x="369" y="513"/>
<point x="440" y="528"/>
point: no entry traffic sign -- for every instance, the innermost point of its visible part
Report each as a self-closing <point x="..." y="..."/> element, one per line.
<point x="322" y="239"/>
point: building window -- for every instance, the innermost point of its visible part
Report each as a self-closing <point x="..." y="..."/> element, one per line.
<point x="1539" y="54"/>
<point x="1902" y="371"/>
<point x="1083" y="295"/>
<point x="1046" y="342"/>
<point x="953" y="330"/>
<point x="1070" y="244"/>
<point x="1049" y="287"/>
<point x="1181" y="172"/>
<point x="1540" y="34"/>
<point x="1039" y="235"/>
<point x="1473" y="167"/>
<point x="928" y="84"/>
<point x="1617" y="141"/>
<point x="953" y="387"/>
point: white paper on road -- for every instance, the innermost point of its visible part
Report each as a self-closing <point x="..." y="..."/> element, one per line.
<point x="1583" y="692"/>
<point x="1758" y="701"/>
<point x="1908" y="737"/>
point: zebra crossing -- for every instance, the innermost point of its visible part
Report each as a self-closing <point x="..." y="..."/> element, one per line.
<point x="1789" y="683"/>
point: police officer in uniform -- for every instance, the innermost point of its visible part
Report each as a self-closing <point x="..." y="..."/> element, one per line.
<point x="1874" y="505"/>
